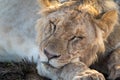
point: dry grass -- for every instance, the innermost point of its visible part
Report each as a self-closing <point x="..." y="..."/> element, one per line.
<point x="19" y="71"/>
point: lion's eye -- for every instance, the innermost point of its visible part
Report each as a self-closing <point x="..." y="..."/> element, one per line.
<point x="72" y="38"/>
<point x="77" y="38"/>
<point x="52" y="27"/>
<point x="81" y="37"/>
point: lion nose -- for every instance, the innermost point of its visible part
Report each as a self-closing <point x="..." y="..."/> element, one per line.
<point x="49" y="55"/>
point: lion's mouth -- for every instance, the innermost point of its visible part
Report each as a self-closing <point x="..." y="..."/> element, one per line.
<point x="58" y="61"/>
<point x="54" y="61"/>
<point x="50" y="56"/>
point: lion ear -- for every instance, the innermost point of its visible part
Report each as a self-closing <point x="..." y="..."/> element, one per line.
<point x="47" y="3"/>
<point x="107" y="22"/>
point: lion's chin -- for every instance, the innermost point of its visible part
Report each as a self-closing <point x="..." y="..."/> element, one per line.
<point x="56" y="63"/>
<point x="52" y="63"/>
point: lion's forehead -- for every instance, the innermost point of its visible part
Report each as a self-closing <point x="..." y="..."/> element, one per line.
<point x="69" y="24"/>
<point x="70" y="19"/>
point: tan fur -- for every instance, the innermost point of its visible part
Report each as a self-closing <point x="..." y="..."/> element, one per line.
<point x="73" y="34"/>
<point x="47" y="3"/>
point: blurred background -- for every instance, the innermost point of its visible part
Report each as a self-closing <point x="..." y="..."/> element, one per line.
<point x="17" y="29"/>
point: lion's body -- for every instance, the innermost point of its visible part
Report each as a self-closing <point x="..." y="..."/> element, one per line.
<point x="17" y="33"/>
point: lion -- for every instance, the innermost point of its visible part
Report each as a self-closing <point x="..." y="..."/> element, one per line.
<point x="75" y="34"/>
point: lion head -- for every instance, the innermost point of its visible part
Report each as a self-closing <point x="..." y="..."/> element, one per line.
<point x="73" y="31"/>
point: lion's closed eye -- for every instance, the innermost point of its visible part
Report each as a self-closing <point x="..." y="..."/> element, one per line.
<point x="50" y="29"/>
<point x="77" y="38"/>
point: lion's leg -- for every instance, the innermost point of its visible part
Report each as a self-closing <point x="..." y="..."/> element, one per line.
<point x="114" y="65"/>
<point x="79" y="71"/>
<point x="72" y="71"/>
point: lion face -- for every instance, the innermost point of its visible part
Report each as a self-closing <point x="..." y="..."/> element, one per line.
<point x="69" y="35"/>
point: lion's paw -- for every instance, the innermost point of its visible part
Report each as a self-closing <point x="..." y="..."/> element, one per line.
<point x="89" y="75"/>
<point x="114" y="72"/>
